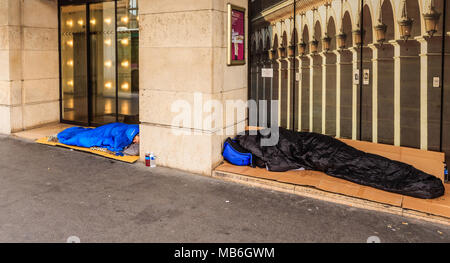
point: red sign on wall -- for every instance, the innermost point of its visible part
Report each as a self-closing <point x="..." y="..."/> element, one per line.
<point x="236" y="35"/>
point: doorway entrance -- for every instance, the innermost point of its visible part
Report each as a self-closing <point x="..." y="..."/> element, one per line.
<point x="99" y="61"/>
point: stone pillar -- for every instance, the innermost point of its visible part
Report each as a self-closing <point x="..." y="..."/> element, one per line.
<point x="329" y="93"/>
<point x="311" y="91"/>
<point x="355" y="92"/>
<point x="183" y="70"/>
<point x="338" y="92"/>
<point x="382" y="93"/>
<point x="324" y="90"/>
<point x="315" y="93"/>
<point x="406" y="93"/>
<point x="280" y="86"/>
<point x="29" y="77"/>
<point x="289" y="90"/>
<point x="430" y="97"/>
<point x="10" y="66"/>
<point x="304" y="90"/>
<point x="299" y="92"/>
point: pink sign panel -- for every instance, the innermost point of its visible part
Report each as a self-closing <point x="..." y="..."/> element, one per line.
<point x="237" y="35"/>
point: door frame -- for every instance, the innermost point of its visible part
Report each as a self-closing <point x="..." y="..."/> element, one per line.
<point x="86" y="3"/>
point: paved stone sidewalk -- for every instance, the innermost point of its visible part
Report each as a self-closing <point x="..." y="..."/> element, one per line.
<point x="48" y="194"/>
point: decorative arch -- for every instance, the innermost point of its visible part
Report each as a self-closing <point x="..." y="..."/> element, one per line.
<point x="415" y="12"/>
<point x="367" y="25"/>
<point x="347" y="27"/>
<point x="305" y="37"/>
<point x="332" y="31"/>
<point x="387" y="12"/>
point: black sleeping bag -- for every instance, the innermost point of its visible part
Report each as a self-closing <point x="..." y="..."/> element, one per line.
<point x="323" y="153"/>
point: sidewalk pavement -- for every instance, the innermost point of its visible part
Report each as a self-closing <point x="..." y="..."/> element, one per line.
<point x="48" y="194"/>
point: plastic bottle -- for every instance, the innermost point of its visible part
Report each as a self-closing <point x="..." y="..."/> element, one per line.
<point x="147" y="159"/>
<point x="445" y="173"/>
<point x="152" y="160"/>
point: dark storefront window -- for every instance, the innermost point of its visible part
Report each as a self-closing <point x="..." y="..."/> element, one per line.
<point x="359" y="69"/>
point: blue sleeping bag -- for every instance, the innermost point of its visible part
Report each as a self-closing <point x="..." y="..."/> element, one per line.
<point x="114" y="137"/>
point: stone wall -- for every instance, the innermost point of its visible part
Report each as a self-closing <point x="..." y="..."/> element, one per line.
<point x="29" y="74"/>
<point x="183" y="57"/>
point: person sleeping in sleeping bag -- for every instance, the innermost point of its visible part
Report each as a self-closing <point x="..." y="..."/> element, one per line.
<point x="115" y="137"/>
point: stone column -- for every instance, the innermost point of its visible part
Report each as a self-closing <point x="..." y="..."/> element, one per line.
<point x="304" y="90"/>
<point x="183" y="73"/>
<point x="280" y="85"/>
<point x="299" y="93"/>
<point x="10" y="66"/>
<point x="29" y="76"/>
<point x="355" y="91"/>
<point x="382" y="93"/>
<point x="407" y="94"/>
<point x="324" y="90"/>
<point x="289" y="90"/>
<point x="311" y="91"/>
<point x="329" y="93"/>
<point x="430" y="67"/>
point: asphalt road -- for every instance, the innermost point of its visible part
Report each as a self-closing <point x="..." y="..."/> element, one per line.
<point x="48" y="194"/>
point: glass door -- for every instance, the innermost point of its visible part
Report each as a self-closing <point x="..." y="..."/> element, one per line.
<point x="99" y="62"/>
<point x="102" y="55"/>
<point x="74" y="80"/>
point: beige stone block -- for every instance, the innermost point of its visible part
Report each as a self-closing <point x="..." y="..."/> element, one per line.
<point x="3" y="12"/>
<point x="160" y="6"/>
<point x="10" y="12"/>
<point x="219" y="25"/>
<point x="227" y="77"/>
<point x="37" y="13"/>
<point x="37" y="114"/>
<point x="5" y="92"/>
<point x="197" y="153"/>
<point x="234" y="110"/>
<point x="180" y="29"/>
<point x="16" y="92"/>
<point x="14" y="38"/>
<point x="194" y="153"/>
<point x="10" y="64"/>
<point x="15" y="65"/>
<point x="207" y="112"/>
<point x="4" y="37"/>
<point x="168" y="6"/>
<point x="14" y="12"/>
<point x="40" y="65"/>
<point x="156" y="107"/>
<point x="16" y="119"/>
<point x="4" y="65"/>
<point x="5" y="119"/>
<point x="176" y="69"/>
<point x="41" y="90"/>
<point x="40" y="38"/>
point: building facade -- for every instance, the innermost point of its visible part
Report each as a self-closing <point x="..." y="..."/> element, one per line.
<point x="372" y="70"/>
<point x="91" y="62"/>
<point x="367" y="70"/>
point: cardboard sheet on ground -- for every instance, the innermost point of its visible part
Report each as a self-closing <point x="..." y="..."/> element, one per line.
<point x="127" y="159"/>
